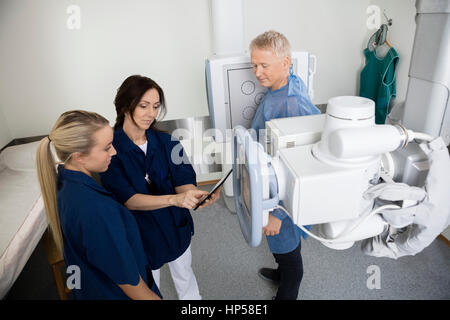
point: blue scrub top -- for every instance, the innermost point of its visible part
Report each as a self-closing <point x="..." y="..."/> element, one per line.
<point x="166" y="233"/>
<point x="101" y="237"/>
<point x="289" y="101"/>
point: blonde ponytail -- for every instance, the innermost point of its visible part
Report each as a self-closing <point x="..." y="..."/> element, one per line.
<point x="72" y="132"/>
<point x="47" y="179"/>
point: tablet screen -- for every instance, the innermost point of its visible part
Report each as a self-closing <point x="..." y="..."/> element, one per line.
<point x="213" y="189"/>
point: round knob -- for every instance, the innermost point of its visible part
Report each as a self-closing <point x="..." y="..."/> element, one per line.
<point x="248" y="87"/>
<point x="248" y="113"/>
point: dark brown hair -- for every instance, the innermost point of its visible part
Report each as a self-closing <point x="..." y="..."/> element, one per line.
<point x="130" y="93"/>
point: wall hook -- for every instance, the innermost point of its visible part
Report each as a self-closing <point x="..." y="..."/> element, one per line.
<point x="389" y="21"/>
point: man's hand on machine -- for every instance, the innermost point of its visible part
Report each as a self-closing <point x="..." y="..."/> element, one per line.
<point x="273" y="226"/>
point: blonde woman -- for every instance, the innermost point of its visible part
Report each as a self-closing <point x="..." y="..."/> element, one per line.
<point x="92" y="230"/>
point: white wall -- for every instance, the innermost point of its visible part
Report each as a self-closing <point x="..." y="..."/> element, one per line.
<point x="332" y="30"/>
<point x="5" y="135"/>
<point x="336" y="32"/>
<point x="47" y="69"/>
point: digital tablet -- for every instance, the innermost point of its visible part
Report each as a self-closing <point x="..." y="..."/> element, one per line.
<point x="214" y="189"/>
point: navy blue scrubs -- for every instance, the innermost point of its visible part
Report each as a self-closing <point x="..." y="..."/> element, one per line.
<point x="166" y="233"/>
<point x="101" y="237"/>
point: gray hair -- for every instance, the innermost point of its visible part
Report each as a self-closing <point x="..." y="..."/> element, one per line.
<point x="274" y="41"/>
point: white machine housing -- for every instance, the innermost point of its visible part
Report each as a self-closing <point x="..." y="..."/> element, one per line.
<point x="427" y="104"/>
<point x="284" y="133"/>
<point x="319" y="188"/>
<point x="310" y="172"/>
<point x="316" y="192"/>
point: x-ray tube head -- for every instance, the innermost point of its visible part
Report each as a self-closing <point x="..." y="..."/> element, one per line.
<point x="367" y="141"/>
<point x="343" y="113"/>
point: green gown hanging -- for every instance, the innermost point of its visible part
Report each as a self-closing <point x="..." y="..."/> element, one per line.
<point x="378" y="81"/>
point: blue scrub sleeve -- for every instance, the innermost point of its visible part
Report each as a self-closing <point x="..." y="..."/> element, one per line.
<point x="258" y="122"/>
<point x="279" y="214"/>
<point x="180" y="167"/>
<point x="298" y="89"/>
<point x="107" y="248"/>
<point x="115" y="180"/>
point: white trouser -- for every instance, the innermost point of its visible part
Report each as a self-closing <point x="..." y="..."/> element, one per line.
<point x="183" y="277"/>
